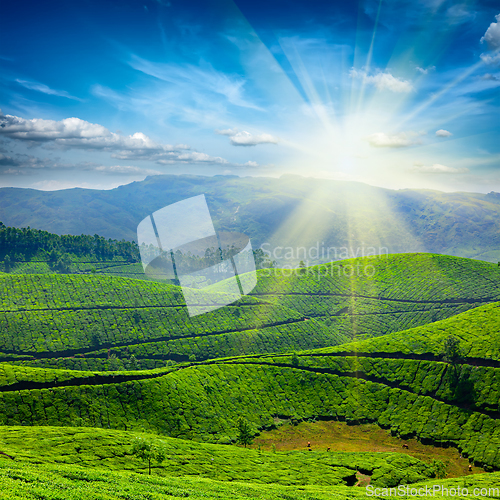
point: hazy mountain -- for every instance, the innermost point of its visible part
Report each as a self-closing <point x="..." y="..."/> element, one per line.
<point x="290" y="211"/>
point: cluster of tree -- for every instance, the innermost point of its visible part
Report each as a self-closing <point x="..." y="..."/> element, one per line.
<point x="262" y="261"/>
<point x="20" y="245"/>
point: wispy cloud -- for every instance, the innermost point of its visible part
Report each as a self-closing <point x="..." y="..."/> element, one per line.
<point x="436" y="169"/>
<point x="227" y="131"/>
<point x="201" y="78"/>
<point x="490" y="77"/>
<point x="383" y="81"/>
<point x="125" y="170"/>
<point x="44" y="89"/>
<point x="403" y="139"/>
<point x="425" y="71"/>
<point x="19" y="164"/>
<point x="443" y="133"/>
<point x="459" y="14"/>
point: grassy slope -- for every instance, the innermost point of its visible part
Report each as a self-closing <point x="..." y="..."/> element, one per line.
<point x="73" y="321"/>
<point x="86" y="266"/>
<point x="478" y="331"/>
<point x="63" y="482"/>
<point x="62" y="316"/>
<point x="424" y="398"/>
<point x="379" y="295"/>
<point x="113" y="450"/>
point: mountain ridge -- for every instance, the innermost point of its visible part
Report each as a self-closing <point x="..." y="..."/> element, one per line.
<point x="288" y="211"/>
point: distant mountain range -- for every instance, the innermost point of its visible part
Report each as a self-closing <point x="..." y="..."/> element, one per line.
<point x="311" y="219"/>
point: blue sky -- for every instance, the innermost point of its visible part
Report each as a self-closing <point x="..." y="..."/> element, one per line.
<point x="394" y="93"/>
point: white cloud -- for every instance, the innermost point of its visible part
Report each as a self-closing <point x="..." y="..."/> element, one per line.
<point x="251" y="164"/>
<point x="492" y="35"/>
<point x="383" y="81"/>
<point x="39" y="130"/>
<point x="244" y="138"/>
<point x="40" y="87"/>
<point x="425" y="71"/>
<point x="491" y="58"/>
<point x="403" y="139"/>
<point x="443" y="133"/>
<point x="227" y="131"/>
<point x="436" y="169"/>
<point x="79" y="134"/>
<point x="121" y="170"/>
<point x="190" y="157"/>
<point x="247" y="139"/>
<point x="492" y="39"/>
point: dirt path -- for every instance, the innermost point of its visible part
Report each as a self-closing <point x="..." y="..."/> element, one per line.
<point x="338" y="436"/>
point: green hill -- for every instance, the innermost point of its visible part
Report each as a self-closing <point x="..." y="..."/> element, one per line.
<point x="435" y="401"/>
<point x="27" y="481"/>
<point x="112" y="450"/>
<point x="478" y="331"/>
<point x="378" y="295"/>
<point x="95" y="322"/>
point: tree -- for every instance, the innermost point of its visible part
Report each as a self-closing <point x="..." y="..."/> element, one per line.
<point x="439" y="469"/>
<point x="148" y="451"/>
<point x="245" y="434"/>
<point x="302" y="267"/>
<point x="114" y="363"/>
<point x="295" y="359"/>
<point x="262" y="261"/>
<point x="7" y="262"/>
<point x="132" y="363"/>
<point x="95" y="339"/>
<point x="451" y="349"/>
<point x="63" y="264"/>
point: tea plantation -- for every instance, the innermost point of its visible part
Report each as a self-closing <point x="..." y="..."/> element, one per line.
<point x="435" y="401"/>
<point x="90" y="322"/>
<point x="373" y="296"/>
<point x="100" y="322"/>
<point x="88" y="363"/>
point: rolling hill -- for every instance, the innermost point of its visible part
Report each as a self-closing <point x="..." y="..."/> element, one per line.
<point x="89" y="362"/>
<point x="98" y="322"/>
<point x="435" y="401"/>
<point x="81" y="321"/>
<point x="33" y="481"/>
